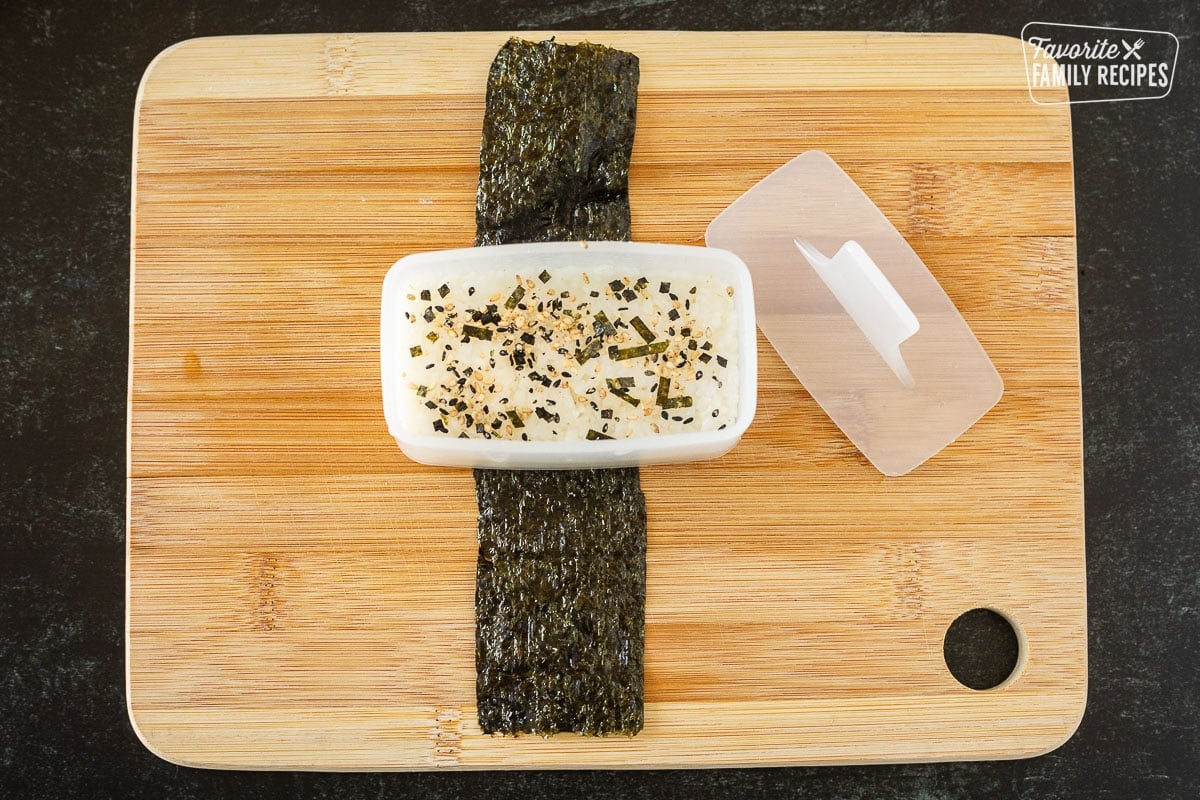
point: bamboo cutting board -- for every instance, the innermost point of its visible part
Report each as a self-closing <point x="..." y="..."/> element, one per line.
<point x="300" y="595"/>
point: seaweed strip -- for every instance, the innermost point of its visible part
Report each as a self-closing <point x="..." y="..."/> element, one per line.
<point x="561" y="573"/>
<point x="560" y="601"/>
<point x="557" y="137"/>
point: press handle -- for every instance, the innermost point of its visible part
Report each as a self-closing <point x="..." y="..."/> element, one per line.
<point x="869" y="298"/>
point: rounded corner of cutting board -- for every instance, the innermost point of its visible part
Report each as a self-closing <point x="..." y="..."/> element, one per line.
<point x="146" y="735"/>
<point x="163" y="60"/>
<point x="1058" y="736"/>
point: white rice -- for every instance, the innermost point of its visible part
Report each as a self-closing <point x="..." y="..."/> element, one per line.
<point x="581" y="376"/>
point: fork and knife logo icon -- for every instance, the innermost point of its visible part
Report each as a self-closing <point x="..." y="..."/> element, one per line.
<point x="1132" y="49"/>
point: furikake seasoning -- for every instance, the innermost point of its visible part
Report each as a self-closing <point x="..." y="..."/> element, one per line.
<point x="552" y="362"/>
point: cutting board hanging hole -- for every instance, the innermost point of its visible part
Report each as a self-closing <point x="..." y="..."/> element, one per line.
<point x="981" y="649"/>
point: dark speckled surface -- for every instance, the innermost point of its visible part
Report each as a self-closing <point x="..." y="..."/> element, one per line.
<point x="68" y="74"/>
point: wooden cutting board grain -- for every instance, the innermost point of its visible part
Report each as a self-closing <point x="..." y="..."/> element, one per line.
<point x="300" y="595"/>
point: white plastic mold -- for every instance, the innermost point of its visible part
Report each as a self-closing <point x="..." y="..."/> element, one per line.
<point x="426" y="447"/>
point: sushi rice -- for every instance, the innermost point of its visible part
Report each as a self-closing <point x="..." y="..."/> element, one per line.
<point x="570" y="355"/>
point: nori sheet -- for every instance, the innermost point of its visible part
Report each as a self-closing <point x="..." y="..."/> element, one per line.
<point x="560" y="601"/>
<point x="560" y="583"/>
<point x="557" y="137"/>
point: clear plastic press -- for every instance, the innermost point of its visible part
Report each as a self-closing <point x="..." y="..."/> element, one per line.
<point x="856" y="315"/>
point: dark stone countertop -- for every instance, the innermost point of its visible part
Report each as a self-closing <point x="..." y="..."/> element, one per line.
<point x="68" y="75"/>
